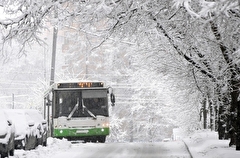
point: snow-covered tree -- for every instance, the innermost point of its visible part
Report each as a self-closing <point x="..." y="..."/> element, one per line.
<point x="221" y="20"/>
<point x="194" y="43"/>
<point x="126" y="22"/>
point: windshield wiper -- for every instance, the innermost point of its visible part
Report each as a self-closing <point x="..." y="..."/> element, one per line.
<point x="74" y="109"/>
<point x="89" y="112"/>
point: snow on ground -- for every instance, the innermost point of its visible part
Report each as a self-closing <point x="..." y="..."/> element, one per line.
<point x="205" y="144"/>
<point x="128" y="150"/>
<point x="61" y="149"/>
<point x="53" y="147"/>
<point x="202" y="144"/>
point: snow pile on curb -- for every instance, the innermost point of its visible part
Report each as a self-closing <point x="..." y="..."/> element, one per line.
<point x="53" y="147"/>
<point x="205" y="144"/>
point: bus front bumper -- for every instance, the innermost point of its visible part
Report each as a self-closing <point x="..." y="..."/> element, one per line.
<point x="72" y="132"/>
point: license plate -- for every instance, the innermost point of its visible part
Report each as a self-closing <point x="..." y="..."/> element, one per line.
<point x="82" y="131"/>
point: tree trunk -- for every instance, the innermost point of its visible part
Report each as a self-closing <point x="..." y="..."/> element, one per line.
<point x="221" y="122"/>
<point x="216" y="116"/>
<point x="205" y="113"/>
<point x="212" y="127"/>
<point x="238" y="127"/>
<point x="234" y="120"/>
<point x="223" y="101"/>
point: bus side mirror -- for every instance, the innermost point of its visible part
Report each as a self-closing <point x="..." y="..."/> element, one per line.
<point x="48" y="102"/>
<point x="112" y="97"/>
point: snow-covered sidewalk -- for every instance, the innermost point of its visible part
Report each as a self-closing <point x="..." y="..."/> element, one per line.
<point x="205" y="144"/>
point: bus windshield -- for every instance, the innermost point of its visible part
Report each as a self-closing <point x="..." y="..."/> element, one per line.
<point x="81" y="103"/>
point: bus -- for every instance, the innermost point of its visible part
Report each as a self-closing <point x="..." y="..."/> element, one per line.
<point x="78" y="110"/>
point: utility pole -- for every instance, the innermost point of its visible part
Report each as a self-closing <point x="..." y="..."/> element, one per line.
<point x="13" y="101"/>
<point x="54" y="47"/>
<point x="44" y="62"/>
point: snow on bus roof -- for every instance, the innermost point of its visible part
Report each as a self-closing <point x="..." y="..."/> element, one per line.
<point x="55" y="84"/>
<point x="74" y="81"/>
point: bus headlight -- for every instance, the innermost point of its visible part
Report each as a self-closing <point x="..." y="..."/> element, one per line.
<point x="105" y="124"/>
<point x="59" y="126"/>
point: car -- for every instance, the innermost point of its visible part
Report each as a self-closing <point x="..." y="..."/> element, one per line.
<point x="40" y="125"/>
<point x="25" y="131"/>
<point x="166" y="140"/>
<point x="7" y="135"/>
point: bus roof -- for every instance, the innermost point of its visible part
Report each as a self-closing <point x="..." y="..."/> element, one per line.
<point x="73" y="84"/>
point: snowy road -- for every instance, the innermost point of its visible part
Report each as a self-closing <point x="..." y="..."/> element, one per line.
<point x="64" y="149"/>
<point x="129" y="150"/>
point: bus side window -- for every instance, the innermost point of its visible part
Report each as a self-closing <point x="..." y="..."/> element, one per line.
<point x="60" y="105"/>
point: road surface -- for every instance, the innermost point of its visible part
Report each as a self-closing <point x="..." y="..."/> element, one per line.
<point x="126" y="150"/>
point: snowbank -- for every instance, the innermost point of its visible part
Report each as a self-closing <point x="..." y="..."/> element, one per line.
<point x="54" y="146"/>
<point x="205" y="144"/>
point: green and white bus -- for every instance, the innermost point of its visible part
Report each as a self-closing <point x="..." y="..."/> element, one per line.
<point x="78" y="110"/>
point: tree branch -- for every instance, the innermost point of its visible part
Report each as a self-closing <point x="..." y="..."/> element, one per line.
<point x="179" y="51"/>
<point x="225" y="51"/>
<point x="187" y="58"/>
